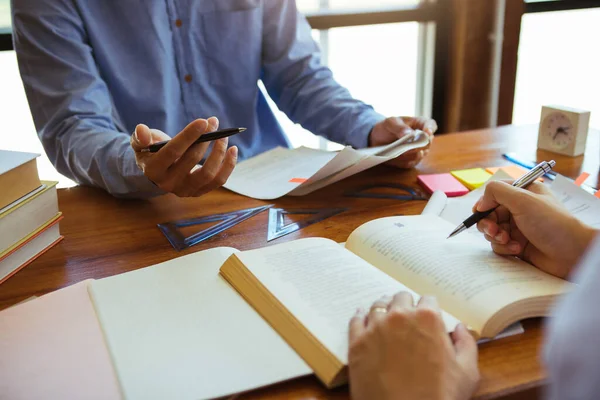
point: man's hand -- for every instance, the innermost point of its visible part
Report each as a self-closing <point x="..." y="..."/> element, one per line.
<point x="532" y="225"/>
<point x="394" y="128"/>
<point x="399" y="351"/>
<point x="174" y="168"/>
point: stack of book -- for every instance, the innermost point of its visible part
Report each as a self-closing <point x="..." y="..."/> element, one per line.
<point x="29" y="213"/>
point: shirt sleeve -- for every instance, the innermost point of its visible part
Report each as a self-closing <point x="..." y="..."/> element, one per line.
<point x="302" y="87"/>
<point x="70" y="103"/>
<point x="572" y="353"/>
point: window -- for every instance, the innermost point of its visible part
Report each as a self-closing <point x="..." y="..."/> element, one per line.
<point x="377" y="63"/>
<point x="384" y="75"/>
<point x="558" y="64"/>
<point x="5" y="23"/>
<point x="309" y="6"/>
<point x="17" y="131"/>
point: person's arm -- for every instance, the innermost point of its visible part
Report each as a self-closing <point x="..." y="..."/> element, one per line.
<point x="302" y="87"/>
<point x="532" y="225"/>
<point x="572" y="349"/>
<point x="70" y="103"/>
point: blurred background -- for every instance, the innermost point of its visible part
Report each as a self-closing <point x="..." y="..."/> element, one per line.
<point x="469" y="64"/>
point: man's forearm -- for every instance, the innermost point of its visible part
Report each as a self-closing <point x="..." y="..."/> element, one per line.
<point x="100" y="158"/>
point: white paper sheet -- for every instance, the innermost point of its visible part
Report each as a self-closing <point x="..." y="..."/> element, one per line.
<point x="300" y="171"/>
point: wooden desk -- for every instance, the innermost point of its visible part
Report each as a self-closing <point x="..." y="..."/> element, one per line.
<point x="105" y="236"/>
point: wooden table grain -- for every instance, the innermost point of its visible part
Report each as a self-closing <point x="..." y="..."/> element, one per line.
<point x="105" y="236"/>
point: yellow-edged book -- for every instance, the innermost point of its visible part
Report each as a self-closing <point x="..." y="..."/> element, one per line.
<point x="28" y="228"/>
<point x="308" y="289"/>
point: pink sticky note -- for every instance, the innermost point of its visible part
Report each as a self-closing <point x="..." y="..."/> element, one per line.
<point x="443" y="182"/>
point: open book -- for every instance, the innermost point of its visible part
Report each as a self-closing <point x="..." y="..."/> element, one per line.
<point x="308" y="289"/>
<point x="300" y="171"/>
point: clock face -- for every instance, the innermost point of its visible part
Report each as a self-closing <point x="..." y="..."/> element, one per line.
<point x="558" y="130"/>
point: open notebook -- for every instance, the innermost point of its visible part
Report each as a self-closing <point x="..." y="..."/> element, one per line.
<point x="300" y="171"/>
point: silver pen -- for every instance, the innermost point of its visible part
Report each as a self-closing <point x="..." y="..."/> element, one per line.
<point x="539" y="170"/>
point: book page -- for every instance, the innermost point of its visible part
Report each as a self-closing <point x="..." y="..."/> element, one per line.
<point x="177" y="330"/>
<point x="322" y="285"/>
<point x="469" y="280"/>
<point x="581" y="204"/>
<point x="52" y="347"/>
<point x="300" y="171"/>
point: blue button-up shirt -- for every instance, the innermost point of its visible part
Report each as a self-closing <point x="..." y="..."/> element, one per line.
<point x="94" y="69"/>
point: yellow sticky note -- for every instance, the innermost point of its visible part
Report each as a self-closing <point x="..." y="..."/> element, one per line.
<point x="472" y="178"/>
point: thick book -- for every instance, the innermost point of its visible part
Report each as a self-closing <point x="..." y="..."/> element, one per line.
<point x="308" y="289"/>
<point x="30" y="248"/>
<point x="18" y="175"/>
<point x="297" y="172"/>
<point x="24" y="218"/>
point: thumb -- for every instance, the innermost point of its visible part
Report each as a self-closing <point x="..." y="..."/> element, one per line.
<point x="142" y="137"/>
<point x="501" y="193"/>
<point x="397" y="126"/>
<point x="465" y="348"/>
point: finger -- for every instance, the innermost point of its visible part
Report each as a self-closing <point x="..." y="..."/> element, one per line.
<point x="177" y="146"/>
<point x="402" y="300"/>
<point x="213" y="124"/>
<point x="500" y="193"/>
<point x="488" y="227"/>
<point x="539" y="188"/>
<point x="425" y="124"/>
<point x="224" y="173"/>
<point x="429" y="302"/>
<point x="179" y="171"/>
<point x="465" y="348"/>
<point x="397" y="126"/>
<point x="512" y="248"/>
<point x="357" y="325"/>
<point x="143" y="137"/>
<point x="378" y="310"/>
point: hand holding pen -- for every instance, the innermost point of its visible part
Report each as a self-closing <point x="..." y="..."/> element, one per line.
<point x="523" y="182"/>
<point x="533" y="225"/>
<point x="173" y="165"/>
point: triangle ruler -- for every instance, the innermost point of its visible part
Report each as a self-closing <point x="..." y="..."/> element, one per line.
<point x="405" y="192"/>
<point x="278" y="228"/>
<point x="228" y="220"/>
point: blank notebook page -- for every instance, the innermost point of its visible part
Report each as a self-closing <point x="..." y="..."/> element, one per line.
<point x="177" y="330"/>
<point x="52" y="348"/>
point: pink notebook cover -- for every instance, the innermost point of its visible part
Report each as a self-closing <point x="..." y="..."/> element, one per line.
<point x="443" y="182"/>
<point x="53" y="348"/>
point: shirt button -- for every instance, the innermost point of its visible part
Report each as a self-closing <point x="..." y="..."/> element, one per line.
<point x="188" y="78"/>
<point x="178" y="23"/>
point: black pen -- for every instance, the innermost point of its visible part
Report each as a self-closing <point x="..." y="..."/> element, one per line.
<point x="524" y="181"/>
<point x="207" y="137"/>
